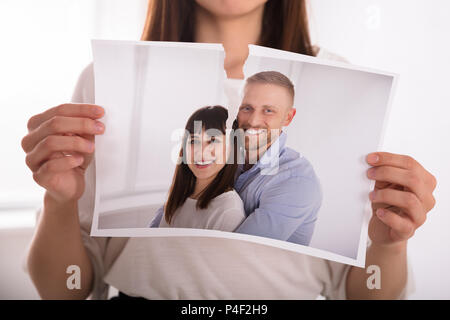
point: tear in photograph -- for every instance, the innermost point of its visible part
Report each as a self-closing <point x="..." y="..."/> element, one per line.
<point x="276" y="158"/>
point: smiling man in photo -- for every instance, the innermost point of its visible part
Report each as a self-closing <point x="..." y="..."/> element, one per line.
<point x="280" y="190"/>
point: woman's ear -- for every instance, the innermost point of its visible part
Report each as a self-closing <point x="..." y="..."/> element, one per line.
<point x="182" y="157"/>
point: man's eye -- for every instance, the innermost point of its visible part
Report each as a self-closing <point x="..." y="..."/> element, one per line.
<point x="269" y="111"/>
<point x="245" y="109"/>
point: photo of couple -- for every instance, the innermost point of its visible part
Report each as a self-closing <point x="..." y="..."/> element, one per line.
<point x="274" y="192"/>
<point x="191" y="152"/>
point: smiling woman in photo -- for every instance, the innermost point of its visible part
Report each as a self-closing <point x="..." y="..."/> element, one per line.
<point x="202" y="194"/>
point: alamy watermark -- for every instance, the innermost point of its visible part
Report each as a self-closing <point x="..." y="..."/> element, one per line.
<point x="374" y="280"/>
<point x="74" y="280"/>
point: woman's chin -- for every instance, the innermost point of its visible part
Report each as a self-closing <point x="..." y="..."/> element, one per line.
<point x="203" y="175"/>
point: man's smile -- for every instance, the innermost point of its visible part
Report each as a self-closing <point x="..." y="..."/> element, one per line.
<point x="254" y="131"/>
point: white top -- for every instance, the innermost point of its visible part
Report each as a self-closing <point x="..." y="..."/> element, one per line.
<point x="201" y="267"/>
<point x="225" y="213"/>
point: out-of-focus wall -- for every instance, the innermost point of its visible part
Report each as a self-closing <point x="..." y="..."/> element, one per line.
<point x="408" y="37"/>
<point x="14" y="282"/>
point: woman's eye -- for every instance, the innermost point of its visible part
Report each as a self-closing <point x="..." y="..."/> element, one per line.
<point x="214" y="140"/>
<point x="194" y="141"/>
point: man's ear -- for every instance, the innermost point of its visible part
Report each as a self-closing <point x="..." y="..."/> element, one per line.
<point x="290" y="115"/>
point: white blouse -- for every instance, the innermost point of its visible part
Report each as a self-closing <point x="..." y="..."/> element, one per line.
<point x="225" y="213"/>
<point x="200" y="267"/>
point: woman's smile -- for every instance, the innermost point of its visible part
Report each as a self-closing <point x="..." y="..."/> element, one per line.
<point x="203" y="164"/>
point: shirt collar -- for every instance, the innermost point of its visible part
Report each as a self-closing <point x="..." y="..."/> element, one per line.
<point x="271" y="157"/>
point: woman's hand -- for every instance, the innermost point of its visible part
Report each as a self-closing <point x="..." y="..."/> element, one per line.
<point x="402" y="197"/>
<point x="59" y="147"/>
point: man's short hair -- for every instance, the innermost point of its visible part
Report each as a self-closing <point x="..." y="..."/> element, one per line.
<point x="272" y="77"/>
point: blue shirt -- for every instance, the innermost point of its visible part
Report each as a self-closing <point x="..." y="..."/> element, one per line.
<point x="281" y="195"/>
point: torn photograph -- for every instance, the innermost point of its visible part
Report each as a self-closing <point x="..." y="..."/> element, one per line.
<point x="275" y="158"/>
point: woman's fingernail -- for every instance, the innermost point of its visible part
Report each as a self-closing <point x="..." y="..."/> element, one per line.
<point x="371" y="173"/>
<point x="372" y="195"/>
<point x="99" y="127"/>
<point x="78" y="159"/>
<point x="98" y="111"/>
<point x="373" y="158"/>
<point x="91" y="145"/>
<point x="381" y="213"/>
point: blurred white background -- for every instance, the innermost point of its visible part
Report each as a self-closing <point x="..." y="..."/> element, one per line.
<point x="46" y="44"/>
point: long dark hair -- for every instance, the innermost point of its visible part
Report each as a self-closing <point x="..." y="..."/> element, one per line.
<point x="183" y="183"/>
<point x="285" y="24"/>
